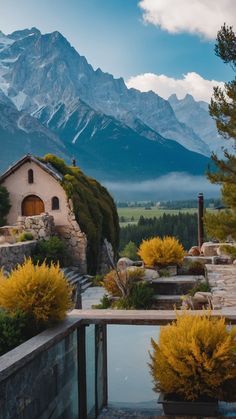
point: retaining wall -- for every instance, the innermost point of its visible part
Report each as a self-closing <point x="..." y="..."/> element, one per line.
<point x="13" y="254"/>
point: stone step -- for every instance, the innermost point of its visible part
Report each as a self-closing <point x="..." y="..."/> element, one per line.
<point x="71" y="272"/>
<point x="66" y="270"/>
<point x="176" y="285"/>
<point x="82" y="280"/>
<point x="74" y="277"/>
<point x="86" y="286"/>
<point x="167" y="302"/>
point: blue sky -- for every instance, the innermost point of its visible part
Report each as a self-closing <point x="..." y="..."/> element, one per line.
<point x="112" y="34"/>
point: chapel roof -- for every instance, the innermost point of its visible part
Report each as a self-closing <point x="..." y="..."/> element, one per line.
<point x="47" y="167"/>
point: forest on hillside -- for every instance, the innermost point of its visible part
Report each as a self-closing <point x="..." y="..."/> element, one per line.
<point x="183" y="226"/>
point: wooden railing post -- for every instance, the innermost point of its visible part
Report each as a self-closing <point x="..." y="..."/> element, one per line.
<point x="78" y="296"/>
<point x="101" y="386"/>
<point x="200" y="220"/>
<point x="81" y="359"/>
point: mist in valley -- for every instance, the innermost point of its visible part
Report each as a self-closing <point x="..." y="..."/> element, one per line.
<point x="174" y="186"/>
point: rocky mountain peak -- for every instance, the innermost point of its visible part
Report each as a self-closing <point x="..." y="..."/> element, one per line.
<point x="173" y="98"/>
<point x="20" y="34"/>
<point x="188" y="98"/>
<point x="44" y="70"/>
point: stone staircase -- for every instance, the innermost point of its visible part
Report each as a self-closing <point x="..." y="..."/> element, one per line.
<point x="79" y="281"/>
<point x="169" y="290"/>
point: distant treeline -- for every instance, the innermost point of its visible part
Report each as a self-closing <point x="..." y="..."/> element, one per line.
<point x="183" y="226"/>
<point x="135" y="204"/>
<point x="192" y="203"/>
<point x="188" y="203"/>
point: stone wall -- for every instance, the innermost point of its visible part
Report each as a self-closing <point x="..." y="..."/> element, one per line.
<point x="106" y="258"/>
<point x="75" y="240"/>
<point x="41" y="381"/>
<point x="41" y="226"/>
<point x="222" y="279"/>
<point x="13" y="254"/>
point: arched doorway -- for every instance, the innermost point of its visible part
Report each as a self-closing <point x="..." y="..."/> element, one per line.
<point x="32" y="205"/>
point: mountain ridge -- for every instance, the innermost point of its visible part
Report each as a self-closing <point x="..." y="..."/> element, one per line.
<point x="195" y="114"/>
<point x="93" y="115"/>
<point x="53" y="55"/>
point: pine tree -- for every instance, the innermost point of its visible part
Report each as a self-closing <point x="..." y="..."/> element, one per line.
<point x="223" y="110"/>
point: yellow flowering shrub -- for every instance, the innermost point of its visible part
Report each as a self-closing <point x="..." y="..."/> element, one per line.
<point x="42" y="292"/>
<point x="2" y="277"/>
<point x="195" y="357"/>
<point x="161" y="252"/>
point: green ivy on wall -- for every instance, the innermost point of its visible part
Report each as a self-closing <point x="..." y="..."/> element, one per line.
<point x="94" y="208"/>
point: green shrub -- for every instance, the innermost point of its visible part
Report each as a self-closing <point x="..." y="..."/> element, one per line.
<point x="105" y="303"/>
<point x="122" y="304"/>
<point x="129" y="289"/>
<point x="201" y="287"/>
<point x="229" y="250"/>
<point x="4" y="205"/>
<point x="140" y="298"/>
<point x="25" y="236"/>
<point x="14" y="329"/>
<point x="164" y="273"/>
<point x="130" y="251"/>
<point x="50" y="251"/>
<point x="97" y="280"/>
<point x="196" y="268"/>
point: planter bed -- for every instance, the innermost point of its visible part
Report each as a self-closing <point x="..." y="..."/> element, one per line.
<point x="191" y="408"/>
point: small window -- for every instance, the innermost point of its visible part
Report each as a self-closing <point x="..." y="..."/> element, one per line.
<point x="55" y="203"/>
<point x="30" y="176"/>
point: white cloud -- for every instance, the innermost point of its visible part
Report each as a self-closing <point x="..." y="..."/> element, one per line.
<point x="192" y="83"/>
<point x="203" y="17"/>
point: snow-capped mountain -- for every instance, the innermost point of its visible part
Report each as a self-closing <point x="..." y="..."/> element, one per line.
<point x="63" y="75"/>
<point x="195" y="115"/>
<point x="20" y="134"/>
<point x="110" y="150"/>
<point x="114" y="131"/>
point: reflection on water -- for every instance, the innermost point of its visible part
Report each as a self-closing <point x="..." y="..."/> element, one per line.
<point x="129" y="380"/>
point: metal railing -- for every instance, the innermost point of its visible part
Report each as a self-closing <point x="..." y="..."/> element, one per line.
<point x="64" y="370"/>
<point x="100" y="320"/>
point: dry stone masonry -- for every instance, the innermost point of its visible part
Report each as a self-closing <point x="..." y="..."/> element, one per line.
<point x="13" y="254"/>
<point x="41" y="226"/>
<point x="222" y="279"/>
<point x="75" y="240"/>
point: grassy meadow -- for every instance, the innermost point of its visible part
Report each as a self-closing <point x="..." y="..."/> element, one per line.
<point x="131" y="215"/>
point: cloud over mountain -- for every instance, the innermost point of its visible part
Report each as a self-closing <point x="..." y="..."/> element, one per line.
<point x="203" y="17"/>
<point x="191" y="83"/>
